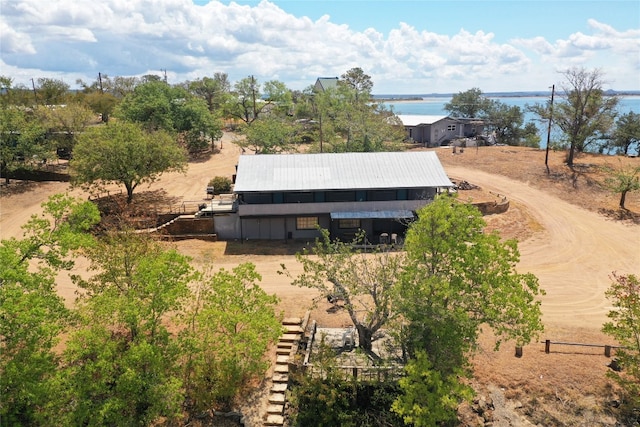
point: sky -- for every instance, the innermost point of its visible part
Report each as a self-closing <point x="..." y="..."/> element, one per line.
<point x="407" y="47"/>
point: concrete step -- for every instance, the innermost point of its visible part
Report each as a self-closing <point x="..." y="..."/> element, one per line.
<point x="284" y="351"/>
<point x="282" y="359"/>
<point x="282" y="344"/>
<point x="276" y="398"/>
<point x="280" y="378"/>
<point x="275" y="409"/>
<point x="289" y="337"/>
<point x="274" y="420"/>
<point x="279" y="388"/>
<point x="281" y="368"/>
<point x="291" y="321"/>
<point x="293" y="329"/>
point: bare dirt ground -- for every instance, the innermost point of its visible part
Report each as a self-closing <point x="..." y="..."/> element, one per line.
<point x="568" y="238"/>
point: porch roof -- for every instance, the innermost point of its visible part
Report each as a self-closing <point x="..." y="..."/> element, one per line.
<point x="401" y="214"/>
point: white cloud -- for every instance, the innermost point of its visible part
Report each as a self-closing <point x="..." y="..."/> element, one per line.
<point x="79" y="38"/>
<point x="14" y="41"/>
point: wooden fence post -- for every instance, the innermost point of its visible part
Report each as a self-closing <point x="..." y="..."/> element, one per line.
<point x="547" y="346"/>
<point x="518" y="351"/>
<point x="607" y="350"/>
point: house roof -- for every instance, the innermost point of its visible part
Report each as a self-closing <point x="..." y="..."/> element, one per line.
<point x="324" y="83"/>
<point x="417" y="120"/>
<point x="339" y="171"/>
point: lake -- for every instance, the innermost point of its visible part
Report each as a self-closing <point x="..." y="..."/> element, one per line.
<point x="435" y="106"/>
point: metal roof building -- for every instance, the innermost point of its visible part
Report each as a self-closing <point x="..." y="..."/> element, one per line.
<point x="339" y="171"/>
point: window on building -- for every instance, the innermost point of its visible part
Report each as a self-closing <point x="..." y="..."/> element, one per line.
<point x="307" y="222"/>
<point x="451" y="128"/>
<point x="349" y="223"/>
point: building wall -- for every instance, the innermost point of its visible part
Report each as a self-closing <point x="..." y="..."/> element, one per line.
<point x="227" y="227"/>
<point x="436" y="134"/>
<point x="279" y="228"/>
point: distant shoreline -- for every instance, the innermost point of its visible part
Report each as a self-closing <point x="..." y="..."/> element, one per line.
<point x="423" y="97"/>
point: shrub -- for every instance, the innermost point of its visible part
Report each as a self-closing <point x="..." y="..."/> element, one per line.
<point x="220" y="184"/>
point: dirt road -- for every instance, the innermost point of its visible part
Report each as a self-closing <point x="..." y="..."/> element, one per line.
<point x="574" y="255"/>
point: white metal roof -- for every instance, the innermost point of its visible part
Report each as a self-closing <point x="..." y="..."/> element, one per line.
<point x="417" y="119"/>
<point x="339" y="171"/>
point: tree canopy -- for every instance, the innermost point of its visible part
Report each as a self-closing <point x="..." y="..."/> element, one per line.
<point x="158" y="106"/>
<point x="228" y="330"/>
<point x="33" y="314"/>
<point x="122" y="361"/>
<point x="22" y="141"/>
<point x="626" y="134"/>
<point x="456" y="279"/>
<point x="469" y="104"/>
<point x="124" y="153"/>
<point x="586" y="115"/>
<point x="624" y="326"/>
<point x="268" y="135"/>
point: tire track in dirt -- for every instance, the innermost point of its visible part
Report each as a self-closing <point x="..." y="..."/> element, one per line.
<point x="575" y="254"/>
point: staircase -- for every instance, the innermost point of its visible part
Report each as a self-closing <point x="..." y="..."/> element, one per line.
<point x="286" y="350"/>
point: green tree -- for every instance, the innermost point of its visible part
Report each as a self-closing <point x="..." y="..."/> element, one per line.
<point x="228" y="331"/>
<point x="507" y="122"/>
<point x="158" y="106"/>
<point x="458" y="278"/>
<point x="214" y="91"/>
<point x="622" y="180"/>
<point x="150" y="105"/>
<point x="268" y="135"/>
<point x="22" y="141"/>
<point x="350" y="120"/>
<point x="626" y="134"/>
<point x="124" y="153"/>
<point x="33" y="314"/>
<point x="12" y="94"/>
<point x="279" y="95"/>
<point x="359" y="82"/>
<point x="365" y="281"/>
<point x="624" y="326"/>
<point x="65" y="123"/>
<point x="248" y="102"/>
<point x="101" y="103"/>
<point x="470" y="104"/>
<point x="122" y="361"/>
<point x="428" y="398"/>
<point x="193" y="121"/>
<point x="52" y="91"/>
<point x="586" y="115"/>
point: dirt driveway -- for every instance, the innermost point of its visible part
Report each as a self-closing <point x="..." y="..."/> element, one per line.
<point x="573" y="256"/>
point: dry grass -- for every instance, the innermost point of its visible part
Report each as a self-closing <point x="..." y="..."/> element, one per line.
<point x="580" y="185"/>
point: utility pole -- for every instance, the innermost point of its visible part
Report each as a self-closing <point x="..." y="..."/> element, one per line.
<point x="100" y="80"/>
<point x="546" y="157"/>
<point x="35" y="94"/>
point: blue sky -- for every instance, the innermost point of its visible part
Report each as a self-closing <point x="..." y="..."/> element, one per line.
<point x="506" y="18"/>
<point x="418" y="46"/>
